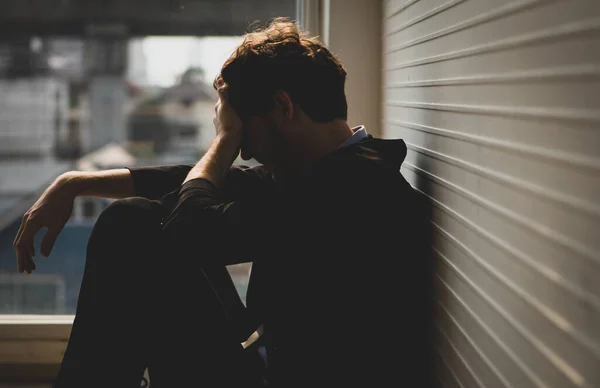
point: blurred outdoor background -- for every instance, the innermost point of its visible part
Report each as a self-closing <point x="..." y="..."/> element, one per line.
<point x="97" y="96"/>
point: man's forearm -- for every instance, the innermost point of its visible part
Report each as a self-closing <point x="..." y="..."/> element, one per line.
<point x="116" y="183"/>
<point x="215" y="164"/>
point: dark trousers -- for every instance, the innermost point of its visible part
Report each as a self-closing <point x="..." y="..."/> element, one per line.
<point x="141" y="307"/>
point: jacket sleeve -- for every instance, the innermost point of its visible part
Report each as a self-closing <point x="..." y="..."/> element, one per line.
<point x="155" y="182"/>
<point x="214" y="231"/>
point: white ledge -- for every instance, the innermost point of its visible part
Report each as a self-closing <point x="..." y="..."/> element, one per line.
<point x="34" y="319"/>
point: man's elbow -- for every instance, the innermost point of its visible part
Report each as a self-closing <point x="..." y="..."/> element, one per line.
<point x="188" y="232"/>
<point x="181" y="227"/>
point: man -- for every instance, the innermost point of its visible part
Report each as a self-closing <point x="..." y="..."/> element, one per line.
<point x="339" y="285"/>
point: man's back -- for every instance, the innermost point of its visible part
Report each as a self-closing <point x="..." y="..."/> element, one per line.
<point x="341" y="284"/>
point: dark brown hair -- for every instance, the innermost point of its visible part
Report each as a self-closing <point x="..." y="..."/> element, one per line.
<point x="281" y="57"/>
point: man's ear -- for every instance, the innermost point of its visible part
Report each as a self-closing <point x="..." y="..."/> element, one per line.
<point x="284" y="102"/>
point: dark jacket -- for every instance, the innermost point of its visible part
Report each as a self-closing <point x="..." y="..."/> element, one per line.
<point x="340" y="277"/>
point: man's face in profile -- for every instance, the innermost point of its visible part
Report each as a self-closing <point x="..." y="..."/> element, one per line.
<point x="260" y="139"/>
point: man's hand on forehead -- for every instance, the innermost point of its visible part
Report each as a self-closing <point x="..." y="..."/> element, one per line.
<point x="226" y="120"/>
<point x="219" y="82"/>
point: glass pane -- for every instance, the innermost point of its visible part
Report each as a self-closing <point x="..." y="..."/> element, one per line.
<point x="75" y="95"/>
<point x="7" y="297"/>
<point x="89" y="209"/>
<point x="42" y="297"/>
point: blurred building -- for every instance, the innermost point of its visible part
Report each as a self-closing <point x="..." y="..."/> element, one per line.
<point x="175" y="119"/>
<point x="137" y="71"/>
<point x="75" y="95"/>
<point x="34" y="116"/>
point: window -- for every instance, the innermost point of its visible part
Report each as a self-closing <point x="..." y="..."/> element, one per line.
<point x="42" y="294"/>
<point x="75" y="95"/>
<point x="86" y="210"/>
<point x="89" y="209"/>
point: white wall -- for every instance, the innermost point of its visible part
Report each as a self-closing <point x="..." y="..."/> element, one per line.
<point x="352" y="30"/>
<point x="499" y="104"/>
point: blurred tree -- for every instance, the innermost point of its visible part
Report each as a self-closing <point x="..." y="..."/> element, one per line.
<point x="193" y="75"/>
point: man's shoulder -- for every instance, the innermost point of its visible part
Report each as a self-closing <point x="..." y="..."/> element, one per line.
<point x="257" y="173"/>
<point x="243" y="181"/>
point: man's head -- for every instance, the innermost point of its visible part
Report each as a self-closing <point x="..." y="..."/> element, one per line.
<point x="279" y="80"/>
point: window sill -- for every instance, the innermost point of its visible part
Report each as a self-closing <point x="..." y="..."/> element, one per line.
<point x="32" y="346"/>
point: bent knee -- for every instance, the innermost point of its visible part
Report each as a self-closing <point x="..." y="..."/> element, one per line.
<point x="133" y="212"/>
<point x="126" y="232"/>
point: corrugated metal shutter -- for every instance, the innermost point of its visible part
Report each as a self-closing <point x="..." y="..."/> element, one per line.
<point x="499" y="103"/>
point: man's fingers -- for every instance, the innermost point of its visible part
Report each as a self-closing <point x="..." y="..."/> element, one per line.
<point x="48" y="241"/>
<point x="222" y="91"/>
<point x="20" y="231"/>
<point x="24" y="244"/>
<point x="31" y="260"/>
<point x="20" y="266"/>
<point x="24" y="260"/>
<point x="19" y="246"/>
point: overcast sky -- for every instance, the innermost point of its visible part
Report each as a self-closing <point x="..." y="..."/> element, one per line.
<point x="167" y="57"/>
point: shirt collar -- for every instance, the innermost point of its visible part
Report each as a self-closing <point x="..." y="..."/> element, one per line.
<point x="360" y="133"/>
